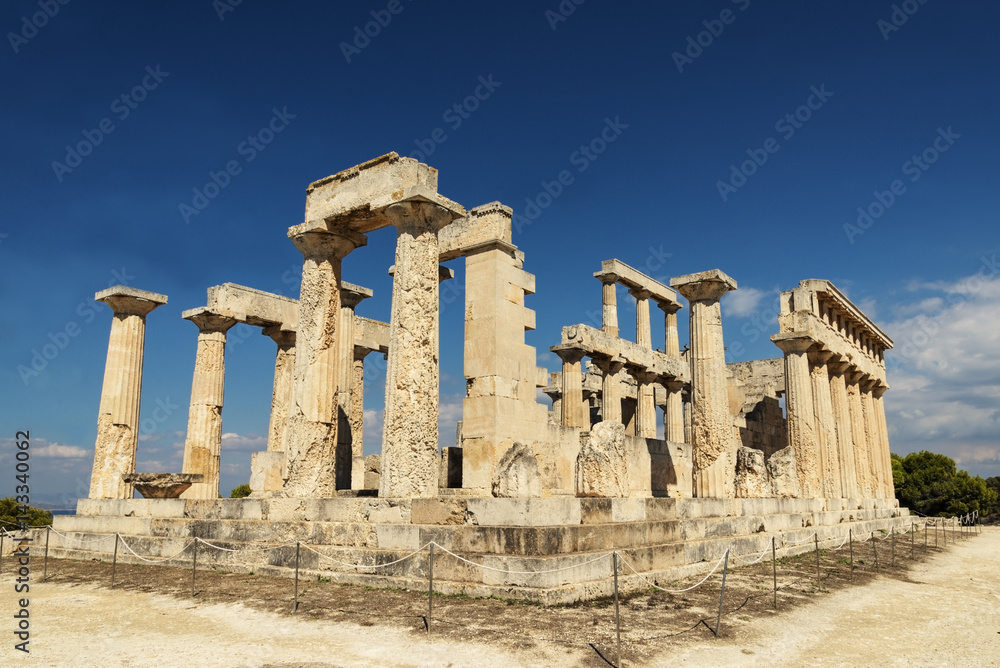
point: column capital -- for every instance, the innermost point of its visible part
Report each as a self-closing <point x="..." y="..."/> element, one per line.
<point x="853" y="376"/>
<point x="640" y="293"/>
<point x="793" y="342"/>
<point x="124" y="300"/>
<point x="705" y="286"/>
<point x="351" y="295"/>
<point x="361" y="352"/>
<point x="642" y="375"/>
<point x="607" y="278"/>
<point x="672" y="385"/>
<point x="820" y="357"/>
<point x="568" y="354"/>
<point x="210" y="321"/>
<point x="879" y="388"/>
<point x="419" y="215"/>
<point x="285" y="338"/>
<point x="669" y="308"/>
<point x="608" y="365"/>
<point x="838" y="366"/>
<point x="319" y="243"/>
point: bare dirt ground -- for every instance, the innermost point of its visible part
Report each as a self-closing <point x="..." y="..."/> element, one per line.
<point x="939" y="608"/>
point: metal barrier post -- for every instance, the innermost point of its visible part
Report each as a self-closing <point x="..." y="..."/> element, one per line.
<point x="430" y="590"/>
<point x="816" y="541"/>
<point x="774" y="569"/>
<point x="2" y="536"/>
<point x="618" y="619"/>
<point x="725" y="568"/>
<point x="194" y="565"/>
<point x="850" y="538"/>
<point x="875" y="550"/>
<point x="892" y="536"/>
<point x="295" y="604"/>
<point x="45" y="571"/>
<point x="912" y="529"/>
<point x="114" y="563"/>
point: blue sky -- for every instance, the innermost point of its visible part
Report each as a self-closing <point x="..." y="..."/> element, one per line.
<point x="651" y="110"/>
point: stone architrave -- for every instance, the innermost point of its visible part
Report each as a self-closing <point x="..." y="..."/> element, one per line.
<point x="673" y="428"/>
<point x="799" y="406"/>
<point x="713" y="440"/>
<point x="859" y="435"/>
<point x="350" y="297"/>
<point x="118" y="415"/>
<point x="602" y="468"/>
<point x="203" y="443"/>
<point x="575" y="411"/>
<point x="312" y="420"/>
<point x="826" y="426"/>
<point x="845" y="440"/>
<point x="410" y="438"/>
<point x="517" y="474"/>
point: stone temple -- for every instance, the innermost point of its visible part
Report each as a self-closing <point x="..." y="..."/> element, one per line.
<point x="785" y="446"/>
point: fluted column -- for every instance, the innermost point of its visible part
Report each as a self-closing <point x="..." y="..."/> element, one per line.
<point x="203" y="444"/>
<point x="673" y="415"/>
<point x="611" y="398"/>
<point x="672" y="346"/>
<point x="713" y="441"/>
<point x="312" y="421"/>
<point x="879" y="408"/>
<point x="350" y="297"/>
<point x="826" y="426"/>
<point x="356" y="418"/>
<point x="281" y="393"/>
<point x="645" y="411"/>
<point x="410" y="438"/>
<point x="859" y="434"/>
<point x="799" y="407"/>
<point x="643" y="332"/>
<point x="574" y="412"/>
<point x="845" y="440"/>
<point x="118" y="415"/>
<point x="872" y="428"/>
<point x="609" y="301"/>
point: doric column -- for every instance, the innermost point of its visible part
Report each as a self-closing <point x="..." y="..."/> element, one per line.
<point x="859" y="434"/>
<point x="281" y="394"/>
<point x="609" y="300"/>
<point x="356" y="417"/>
<point x="575" y="413"/>
<point x="645" y="411"/>
<point x="879" y="409"/>
<point x="672" y="347"/>
<point x="410" y="438"/>
<point x="673" y="416"/>
<point x="713" y="441"/>
<point x="203" y="444"/>
<point x="611" y="398"/>
<point x="118" y="415"/>
<point x="826" y="425"/>
<point x="872" y="428"/>
<point x="842" y="417"/>
<point x="800" y="411"/>
<point x="350" y="297"/>
<point x="643" y="334"/>
<point x="312" y="421"/>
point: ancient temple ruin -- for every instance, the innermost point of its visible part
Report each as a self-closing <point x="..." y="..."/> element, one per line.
<point x="779" y="444"/>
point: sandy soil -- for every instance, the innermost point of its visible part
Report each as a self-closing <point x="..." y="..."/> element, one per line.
<point x="941" y="609"/>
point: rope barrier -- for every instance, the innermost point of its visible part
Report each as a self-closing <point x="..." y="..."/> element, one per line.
<point x="155" y="560"/>
<point x="344" y="563"/>
<point x="501" y="570"/>
<point x="245" y="549"/>
<point x="757" y="560"/>
<point x="785" y="541"/>
<point x="674" y="591"/>
<point x="78" y="540"/>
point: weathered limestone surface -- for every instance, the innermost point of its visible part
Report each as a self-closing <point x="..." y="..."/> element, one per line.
<point x="713" y="439"/>
<point x="784" y="473"/>
<point x="859" y="434"/>
<point x="161" y="485"/>
<point x="800" y="407"/>
<point x="118" y="415"/>
<point x="203" y="443"/>
<point x="410" y="440"/>
<point x="312" y="421"/>
<point x="602" y="465"/>
<point x="754" y="390"/>
<point x="517" y="473"/>
<point x="752" y="480"/>
<point x="356" y="418"/>
<point x="845" y="438"/>
<point x="281" y="392"/>
<point x="349" y="441"/>
<point x="826" y="426"/>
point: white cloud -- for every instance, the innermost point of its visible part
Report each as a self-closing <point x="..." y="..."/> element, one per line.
<point x="59" y="451"/>
<point x="243" y="442"/>
<point x="945" y="372"/>
<point x="742" y="302"/>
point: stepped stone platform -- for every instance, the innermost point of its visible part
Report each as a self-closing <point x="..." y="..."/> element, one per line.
<point x="662" y="538"/>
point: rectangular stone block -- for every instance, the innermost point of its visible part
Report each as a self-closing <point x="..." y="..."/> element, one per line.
<point x="398" y="537"/>
<point x="535" y="512"/>
<point x="438" y="511"/>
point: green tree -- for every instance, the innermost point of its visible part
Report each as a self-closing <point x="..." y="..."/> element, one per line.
<point x="931" y="484"/>
<point x="994" y="484"/>
<point x="10" y="509"/>
<point x="240" y="492"/>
